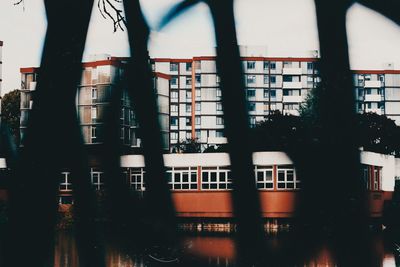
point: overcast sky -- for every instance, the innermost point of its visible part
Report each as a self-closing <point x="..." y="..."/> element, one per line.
<point x="285" y="27"/>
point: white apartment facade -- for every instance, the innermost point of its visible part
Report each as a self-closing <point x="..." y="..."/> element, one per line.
<point x="100" y="75"/>
<point x="378" y="91"/>
<point x="195" y="97"/>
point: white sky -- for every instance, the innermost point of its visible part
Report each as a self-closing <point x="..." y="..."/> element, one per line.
<point x="285" y="27"/>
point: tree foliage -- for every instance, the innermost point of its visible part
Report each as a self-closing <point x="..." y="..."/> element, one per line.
<point x="10" y="110"/>
<point x="187" y="146"/>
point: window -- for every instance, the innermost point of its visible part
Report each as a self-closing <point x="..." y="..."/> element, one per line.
<point x="174" y="108"/>
<point x="188" y="121"/>
<point x="174" y="80"/>
<point x="252" y="121"/>
<point x="198" y="94"/>
<point x="377" y="177"/>
<point x="93" y="133"/>
<point x="188" y="66"/>
<point x="136" y="176"/>
<point x="272" y="79"/>
<point x="290" y="106"/>
<point x="287" y="78"/>
<point x="251" y="79"/>
<point x="65" y="184"/>
<point x="216" y="178"/>
<point x="189" y="94"/>
<point x="188" y="135"/>
<point x="173" y="66"/>
<point x="97" y="179"/>
<point x="251" y="93"/>
<point x="198" y="78"/>
<point x="174" y="121"/>
<point x="251" y="106"/>
<point x="310" y="79"/>
<point x="291" y="92"/>
<point x="174" y="94"/>
<point x="219" y="92"/>
<point x="251" y="65"/>
<point x="174" y="136"/>
<point x="219" y="106"/>
<point x="264" y="177"/>
<point x="182" y="178"/>
<point x="266" y="93"/>
<point x="217" y="80"/>
<point x="272" y="65"/>
<point x="197" y="120"/>
<point x="310" y="65"/>
<point x="94" y="93"/>
<point x="94" y="114"/>
<point x="287" y="178"/>
<point x="219" y="133"/>
<point x="266" y="79"/>
<point x="188" y="108"/>
<point x="367" y="77"/>
<point x="266" y="65"/>
<point x="188" y="80"/>
<point x="198" y="106"/>
<point x="272" y="93"/>
<point x="360" y="92"/>
<point x="198" y="134"/>
<point x="220" y="121"/>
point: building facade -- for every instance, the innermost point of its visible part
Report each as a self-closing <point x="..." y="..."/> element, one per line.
<point x="99" y="77"/>
<point x="196" y="110"/>
<point x="271" y="83"/>
<point x="378" y="91"/>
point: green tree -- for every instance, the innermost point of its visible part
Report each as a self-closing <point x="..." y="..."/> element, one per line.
<point x="10" y="111"/>
<point x="187" y="146"/>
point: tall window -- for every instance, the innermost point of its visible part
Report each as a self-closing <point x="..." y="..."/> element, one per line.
<point x="93" y="133"/>
<point x="251" y="65"/>
<point x="174" y="121"/>
<point x="219" y="106"/>
<point x="266" y="79"/>
<point x="174" y="108"/>
<point x="97" y="179"/>
<point x="174" y="80"/>
<point x="220" y="120"/>
<point x="197" y="120"/>
<point x="188" y="66"/>
<point x="198" y="78"/>
<point x="216" y="178"/>
<point x="136" y="181"/>
<point x="310" y="65"/>
<point x="251" y="79"/>
<point x="173" y="67"/>
<point x="65" y="184"/>
<point x="251" y="93"/>
<point x="198" y="106"/>
<point x="266" y="65"/>
<point x="174" y="136"/>
<point x="94" y="114"/>
<point x="251" y="106"/>
<point x="264" y="177"/>
<point x="272" y="79"/>
<point x="182" y="178"/>
<point x="188" y="108"/>
<point x="272" y="65"/>
<point x="287" y="178"/>
<point x="188" y="80"/>
<point x="174" y="94"/>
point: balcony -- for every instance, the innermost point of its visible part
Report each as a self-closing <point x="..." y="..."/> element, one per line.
<point x="292" y="71"/>
<point x="292" y="85"/>
<point x="372" y="84"/>
<point x="292" y="98"/>
<point x="32" y="86"/>
<point x="375" y="110"/>
<point x="291" y="112"/>
<point x="373" y="98"/>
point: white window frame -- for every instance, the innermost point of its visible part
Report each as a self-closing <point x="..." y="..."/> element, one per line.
<point x="287" y="172"/>
<point x="216" y="178"/>
<point x="97" y="179"/>
<point x="182" y="178"/>
<point x="136" y="179"/>
<point x="261" y="174"/>
<point x="65" y="184"/>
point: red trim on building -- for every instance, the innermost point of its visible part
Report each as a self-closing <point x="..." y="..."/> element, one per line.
<point x="29" y="70"/>
<point x="162" y="75"/>
<point x="290" y="59"/>
<point x="205" y="58"/>
<point x="376" y="71"/>
<point x="175" y="60"/>
<point x="111" y="62"/>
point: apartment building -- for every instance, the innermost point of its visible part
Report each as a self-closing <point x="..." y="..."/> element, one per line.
<point x="100" y="75"/>
<point x="378" y="91"/>
<point x="195" y="96"/>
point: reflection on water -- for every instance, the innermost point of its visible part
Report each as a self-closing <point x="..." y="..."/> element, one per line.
<point x="201" y="251"/>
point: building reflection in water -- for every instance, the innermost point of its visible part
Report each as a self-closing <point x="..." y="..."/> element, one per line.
<point x="202" y="251"/>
